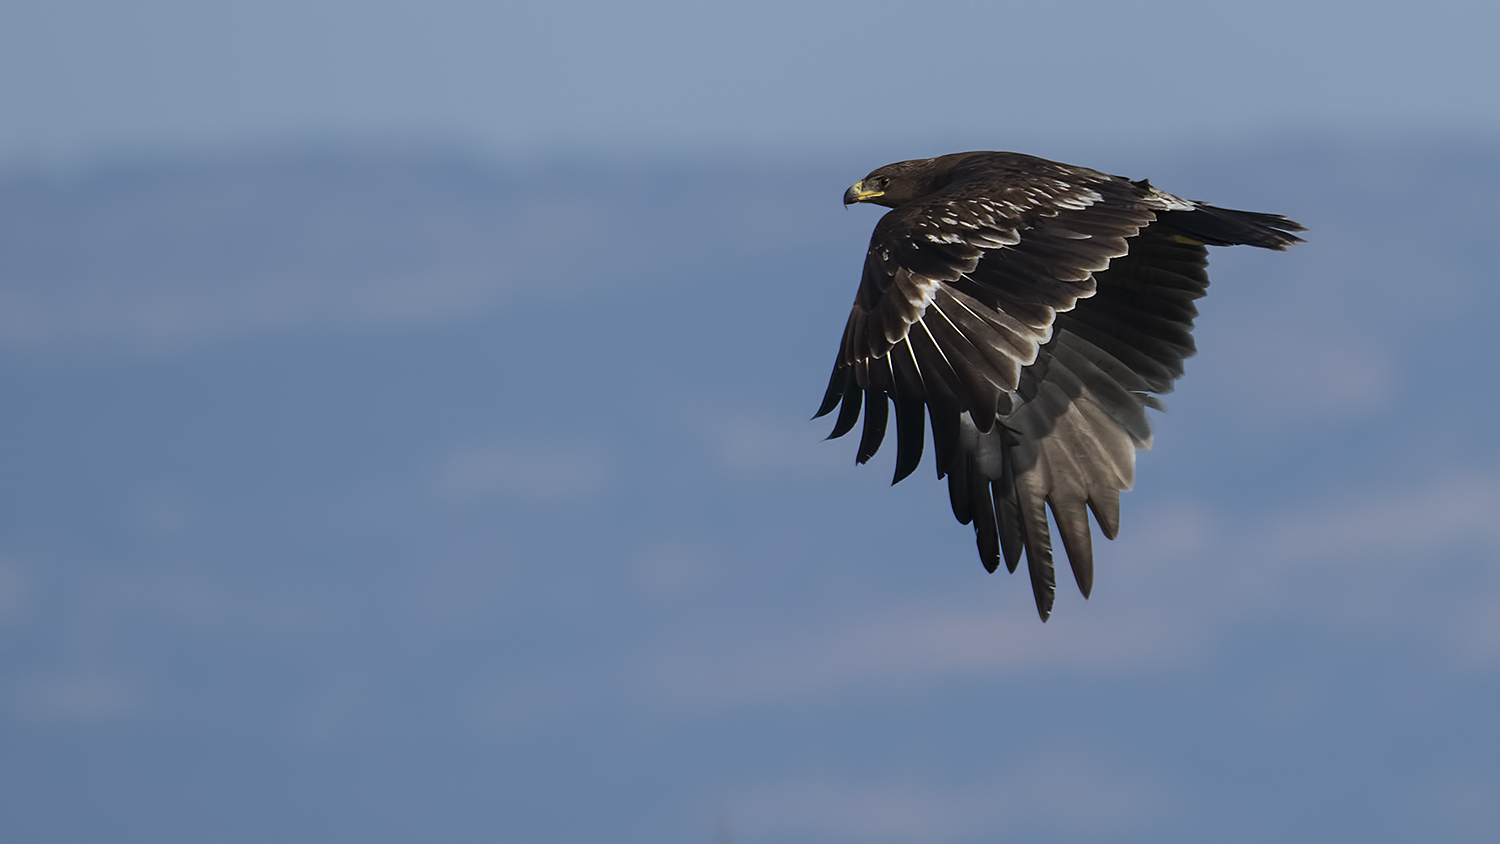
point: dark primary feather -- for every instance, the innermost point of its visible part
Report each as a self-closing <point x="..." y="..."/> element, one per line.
<point x="1029" y="310"/>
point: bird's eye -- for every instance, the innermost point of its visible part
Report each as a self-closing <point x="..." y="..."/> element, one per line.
<point x="881" y="182"/>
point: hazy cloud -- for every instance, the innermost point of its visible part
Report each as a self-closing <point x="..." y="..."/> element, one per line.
<point x="673" y="567"/>
<point x="1465" y="804"/>
<point x="81" y="695"/>
<point x="1185" y="582"/>
<point x="900" y="647"/>
<point x="1289" y="376"/>
<point x="18" y="592"/>
<point x="554" y="472"/>
<point x="187" y="255"/>
<point x="1064" y="793"/>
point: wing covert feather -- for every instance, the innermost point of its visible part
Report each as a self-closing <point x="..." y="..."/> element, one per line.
<point x="1032" y="310"/>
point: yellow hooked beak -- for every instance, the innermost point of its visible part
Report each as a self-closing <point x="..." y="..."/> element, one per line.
<point x="858" y="193"/>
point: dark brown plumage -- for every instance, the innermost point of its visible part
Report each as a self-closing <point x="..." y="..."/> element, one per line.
<point x="1030" y="310"/>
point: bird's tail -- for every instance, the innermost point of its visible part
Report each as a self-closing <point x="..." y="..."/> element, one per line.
<point x="1225" y="227"/>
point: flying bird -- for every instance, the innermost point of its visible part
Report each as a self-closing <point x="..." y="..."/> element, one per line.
<point x="1031" y="311"/>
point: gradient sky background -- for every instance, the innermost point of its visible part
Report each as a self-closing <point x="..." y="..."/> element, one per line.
<point x="405" y="432"/>
<point x="94" y="78"/>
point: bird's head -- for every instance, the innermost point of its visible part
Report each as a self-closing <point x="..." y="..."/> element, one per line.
<point x="896" y="184"/>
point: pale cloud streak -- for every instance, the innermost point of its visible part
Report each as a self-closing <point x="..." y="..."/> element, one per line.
<point x="551" y="472"/>
<point x="1061" y="792"/>
<point x="78" y="695"/>
<point x="1187" y="583"/>
<point x="244" y="248"/>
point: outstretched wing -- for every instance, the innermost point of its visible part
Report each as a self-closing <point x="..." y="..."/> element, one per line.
<point x="1032" y="317"/>
<point x="1070" y="443"/>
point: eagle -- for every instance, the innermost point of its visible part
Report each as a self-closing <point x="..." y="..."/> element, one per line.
<point x="1031" y="311"/>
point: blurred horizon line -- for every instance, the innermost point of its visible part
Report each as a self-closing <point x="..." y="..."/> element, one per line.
<point x="81" y="163"/>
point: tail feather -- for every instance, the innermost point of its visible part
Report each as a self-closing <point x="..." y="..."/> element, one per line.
<point x="1226" y="227"/>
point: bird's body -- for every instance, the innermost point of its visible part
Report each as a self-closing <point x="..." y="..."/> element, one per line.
<point x="1030" y="310"/>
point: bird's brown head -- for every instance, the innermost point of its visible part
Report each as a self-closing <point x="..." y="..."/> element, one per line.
<point x="899" y="183"/>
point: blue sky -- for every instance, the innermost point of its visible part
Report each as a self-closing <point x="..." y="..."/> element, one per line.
<point x="406" y="432"/>
<point x="348" y="497"/>
<point x="92" y="78"/>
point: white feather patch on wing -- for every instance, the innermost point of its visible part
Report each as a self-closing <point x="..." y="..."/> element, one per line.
<point x="1172" y="203"/>
<point x="1076" y="201"/>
